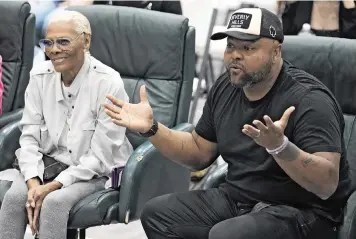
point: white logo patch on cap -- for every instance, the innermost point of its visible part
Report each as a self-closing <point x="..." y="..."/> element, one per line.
<point x="272" y="31"/>
<point x="246" y="20"/>
<point x="240" y="20"/>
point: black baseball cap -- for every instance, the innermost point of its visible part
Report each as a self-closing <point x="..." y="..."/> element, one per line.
<point x="251" y="24"/>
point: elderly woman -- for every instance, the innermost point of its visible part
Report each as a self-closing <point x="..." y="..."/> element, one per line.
<point x="68" y="144"/>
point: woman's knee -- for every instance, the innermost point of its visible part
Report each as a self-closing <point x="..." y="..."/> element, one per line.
<point x="53" y="202"/>
<point x="16" y="195"/>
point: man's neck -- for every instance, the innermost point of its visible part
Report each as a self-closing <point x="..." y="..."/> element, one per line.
<point x="259" y="90"/>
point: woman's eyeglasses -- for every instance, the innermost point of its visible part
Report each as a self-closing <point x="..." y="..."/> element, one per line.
<point x="63" y="44"/>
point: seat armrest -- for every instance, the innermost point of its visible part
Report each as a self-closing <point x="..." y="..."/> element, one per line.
<point x="149" y="174"/>
<point x="216" y="177"/>
<point x="9" y="117"/>
<point x="9" y="143"/>
<point x="94" y="210"/>
<point x="348" y="228"/>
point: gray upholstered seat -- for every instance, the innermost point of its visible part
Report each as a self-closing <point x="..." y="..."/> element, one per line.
<point x="17" y="41"/>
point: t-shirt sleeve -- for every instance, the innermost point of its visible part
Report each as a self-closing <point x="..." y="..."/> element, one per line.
<point x="318" y="123"/>
<point x="205" y="127"/>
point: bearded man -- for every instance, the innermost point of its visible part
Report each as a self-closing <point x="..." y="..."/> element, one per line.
<point x="279" y="129"/>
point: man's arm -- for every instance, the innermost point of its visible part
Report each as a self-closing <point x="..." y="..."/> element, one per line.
<point x="317" y="172"/>
<point x="313" y="159"/>
<point x="195" y="150"/>
<point x="187" y="149"/>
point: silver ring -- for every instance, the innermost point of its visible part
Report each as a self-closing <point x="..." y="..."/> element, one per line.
<point x="259" y="133"/>
<point x="28" y="205"/>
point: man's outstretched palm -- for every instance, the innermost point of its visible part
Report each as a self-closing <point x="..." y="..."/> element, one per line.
<point x="137" y="117"/>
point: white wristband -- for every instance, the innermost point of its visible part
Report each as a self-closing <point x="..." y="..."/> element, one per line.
<point x="280" y="148"/>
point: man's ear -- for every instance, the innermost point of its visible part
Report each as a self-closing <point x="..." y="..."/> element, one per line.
<point x="277" y="52"/>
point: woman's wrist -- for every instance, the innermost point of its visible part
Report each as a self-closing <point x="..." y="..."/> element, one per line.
<point x="33" y="182"/>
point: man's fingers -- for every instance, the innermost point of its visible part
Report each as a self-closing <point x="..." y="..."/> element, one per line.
<point x="251" y="131"/>
<point x="112" y="115"/>
<point x="115" y="101"/>
<point x="143" y="95"/>
<point x="120" y="123"/>
<point x="269" y="122"/>
<point x="113" y="108"/>
<point x="286" y="114"/>
<point x="260" y="125"/>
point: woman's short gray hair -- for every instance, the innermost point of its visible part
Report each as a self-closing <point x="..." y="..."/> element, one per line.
<point x="81" y="22"/>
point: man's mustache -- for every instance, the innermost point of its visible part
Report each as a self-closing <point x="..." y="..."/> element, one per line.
<point x="236" y="65"/>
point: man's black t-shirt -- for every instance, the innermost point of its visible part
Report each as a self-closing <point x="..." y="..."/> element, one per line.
<point x="316" y="125"/>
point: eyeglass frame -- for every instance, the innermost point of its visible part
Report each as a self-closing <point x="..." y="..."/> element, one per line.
<point x="58" y="45"/>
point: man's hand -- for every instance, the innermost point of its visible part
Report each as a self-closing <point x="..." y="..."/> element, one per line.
<point x="137" y="117"/>
<point x="271" y="134"/>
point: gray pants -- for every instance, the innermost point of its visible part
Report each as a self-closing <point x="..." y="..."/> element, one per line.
<point x="54" y="212"/>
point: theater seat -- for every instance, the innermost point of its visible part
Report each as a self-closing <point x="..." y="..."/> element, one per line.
<point x="331" y="60"/>
<point x="17" y="41"/>
<point x="147" y="48"/>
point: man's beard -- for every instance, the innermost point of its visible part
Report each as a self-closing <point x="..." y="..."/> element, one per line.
<point x="250" y="79"/>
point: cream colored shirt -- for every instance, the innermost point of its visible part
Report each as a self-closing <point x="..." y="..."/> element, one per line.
<point x="70" y="124"/>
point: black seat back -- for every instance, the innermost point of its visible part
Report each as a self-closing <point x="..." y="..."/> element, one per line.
<point x="17" y="41"/>
<point x="331" y="60"/>
<point x="147" y="48"/>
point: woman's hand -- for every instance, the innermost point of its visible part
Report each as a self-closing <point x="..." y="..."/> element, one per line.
<point x="36" y="196"/>
<point x="32" y="184"/>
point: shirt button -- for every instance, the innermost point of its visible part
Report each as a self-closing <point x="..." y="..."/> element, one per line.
<point x="94" y="67"/>
<point x="70" y="151"/>
<point x="48" y="70"/>
<point x="69" y="95"/>
<point x="72" y="107"/>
